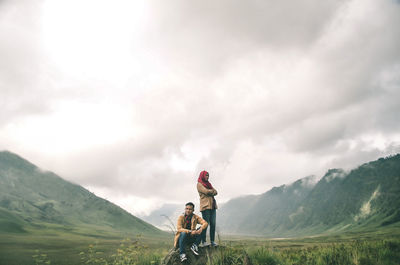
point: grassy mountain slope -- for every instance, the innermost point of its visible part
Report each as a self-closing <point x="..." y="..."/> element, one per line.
<point x="31" y="198"/>
<point x="367" y="197"/>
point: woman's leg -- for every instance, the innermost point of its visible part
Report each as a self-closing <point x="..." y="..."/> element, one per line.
<point x="197" y="239"/>
<point x="213" y="223"/>
<point x="206" y="216"/>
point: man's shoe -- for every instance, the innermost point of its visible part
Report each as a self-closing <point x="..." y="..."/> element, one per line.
<point x="194" y="249"/>
<point x="214" y="244"/>
<point x="183" y="257"/>
<point x="201" y="245"/>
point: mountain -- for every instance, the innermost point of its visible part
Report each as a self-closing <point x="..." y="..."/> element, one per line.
<point x="165" y="216"/>
<point x="367" y="197"/>
<point x="31" y="198"/>
<point x="271" y="209"/>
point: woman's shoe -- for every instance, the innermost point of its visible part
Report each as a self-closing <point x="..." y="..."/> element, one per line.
<point x="214" y="244"/>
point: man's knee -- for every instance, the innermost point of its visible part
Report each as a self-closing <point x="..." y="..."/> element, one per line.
<point x="183" y="235"/>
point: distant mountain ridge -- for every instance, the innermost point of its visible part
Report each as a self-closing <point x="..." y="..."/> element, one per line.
<point x="367" y="197"/>
<point x="32" y="198"/>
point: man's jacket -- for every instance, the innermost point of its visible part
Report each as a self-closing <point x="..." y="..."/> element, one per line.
<point x="181" y="224"/>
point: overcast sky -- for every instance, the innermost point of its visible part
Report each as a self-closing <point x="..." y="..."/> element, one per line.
<point x="132" y="99"/>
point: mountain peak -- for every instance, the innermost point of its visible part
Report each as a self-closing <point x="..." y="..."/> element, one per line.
<point x="38" y="197"/>
<point x="10" y="159"/>
<point x="334" y="173"/>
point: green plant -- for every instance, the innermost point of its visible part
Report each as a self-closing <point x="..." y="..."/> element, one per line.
<point x="40" y="258"/>
<point x="129" y="252"/>
<point x="263" y="256"/>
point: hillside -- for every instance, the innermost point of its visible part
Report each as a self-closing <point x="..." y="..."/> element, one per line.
<point x="367" y="197"/>
<point x="31" y="198"/>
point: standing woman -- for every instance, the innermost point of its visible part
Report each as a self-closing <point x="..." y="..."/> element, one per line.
<point x="208" y="205"/>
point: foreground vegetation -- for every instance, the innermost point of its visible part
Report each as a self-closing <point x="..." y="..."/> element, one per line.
<point x="380" y="252"/>
<point x="383" y="252"/>
<point x="360" y="249"/>
<point x="65" y="248"/>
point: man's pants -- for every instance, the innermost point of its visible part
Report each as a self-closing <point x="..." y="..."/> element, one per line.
<point x="211" y="217"/>
<point x="186" y="238"/>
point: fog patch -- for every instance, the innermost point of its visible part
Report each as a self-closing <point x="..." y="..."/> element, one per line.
<point x="299" y="211"/>
<point x="309" y="181"/>
<point x="335" y="173"/>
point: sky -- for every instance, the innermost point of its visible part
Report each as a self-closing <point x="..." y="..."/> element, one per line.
<point x="132" y="99"/>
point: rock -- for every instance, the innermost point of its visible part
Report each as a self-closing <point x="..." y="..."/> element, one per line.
<point x="205" y="255"/>
<point x="173" y="258"/>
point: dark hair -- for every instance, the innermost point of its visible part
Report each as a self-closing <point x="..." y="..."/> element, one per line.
<point x="190" y="203"/>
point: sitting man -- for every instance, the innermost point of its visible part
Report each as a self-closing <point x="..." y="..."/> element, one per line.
<point x="186" y="231"/>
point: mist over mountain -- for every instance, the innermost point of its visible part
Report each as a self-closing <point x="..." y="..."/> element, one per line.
<point x="367" y="197"/>
<point x="31" y="198"/>
<point x="165" y="216"/>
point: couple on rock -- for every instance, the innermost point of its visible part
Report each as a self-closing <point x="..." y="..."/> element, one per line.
<point x="186" y="226"/>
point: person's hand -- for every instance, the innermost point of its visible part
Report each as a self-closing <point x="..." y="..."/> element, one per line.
<point x="197" y="232"/>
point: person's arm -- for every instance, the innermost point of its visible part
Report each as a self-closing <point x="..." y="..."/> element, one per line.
<point x="179" y="226"/>
<point x="203" y="223"/>
<point x="204" y="190"/>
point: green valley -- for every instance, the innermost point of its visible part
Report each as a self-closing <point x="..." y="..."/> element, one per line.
<point x="347" y="217"/>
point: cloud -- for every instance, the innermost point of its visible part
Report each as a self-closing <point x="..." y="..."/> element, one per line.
<point x="20" y="53"/>
<point x="206" y="36"/>
<point x="258" y="93"/>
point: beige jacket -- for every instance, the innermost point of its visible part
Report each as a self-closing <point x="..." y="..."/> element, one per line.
<point x="206" y="197"/>
<point x="181" y="223"/>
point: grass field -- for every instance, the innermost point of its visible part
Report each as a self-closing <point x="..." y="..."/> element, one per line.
<point x="53" y="246"/>
<point x="62" y="246"/>
<point x="359" y="248"/>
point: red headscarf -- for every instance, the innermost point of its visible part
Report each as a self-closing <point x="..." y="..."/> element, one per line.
<point x="202" y="180"/>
